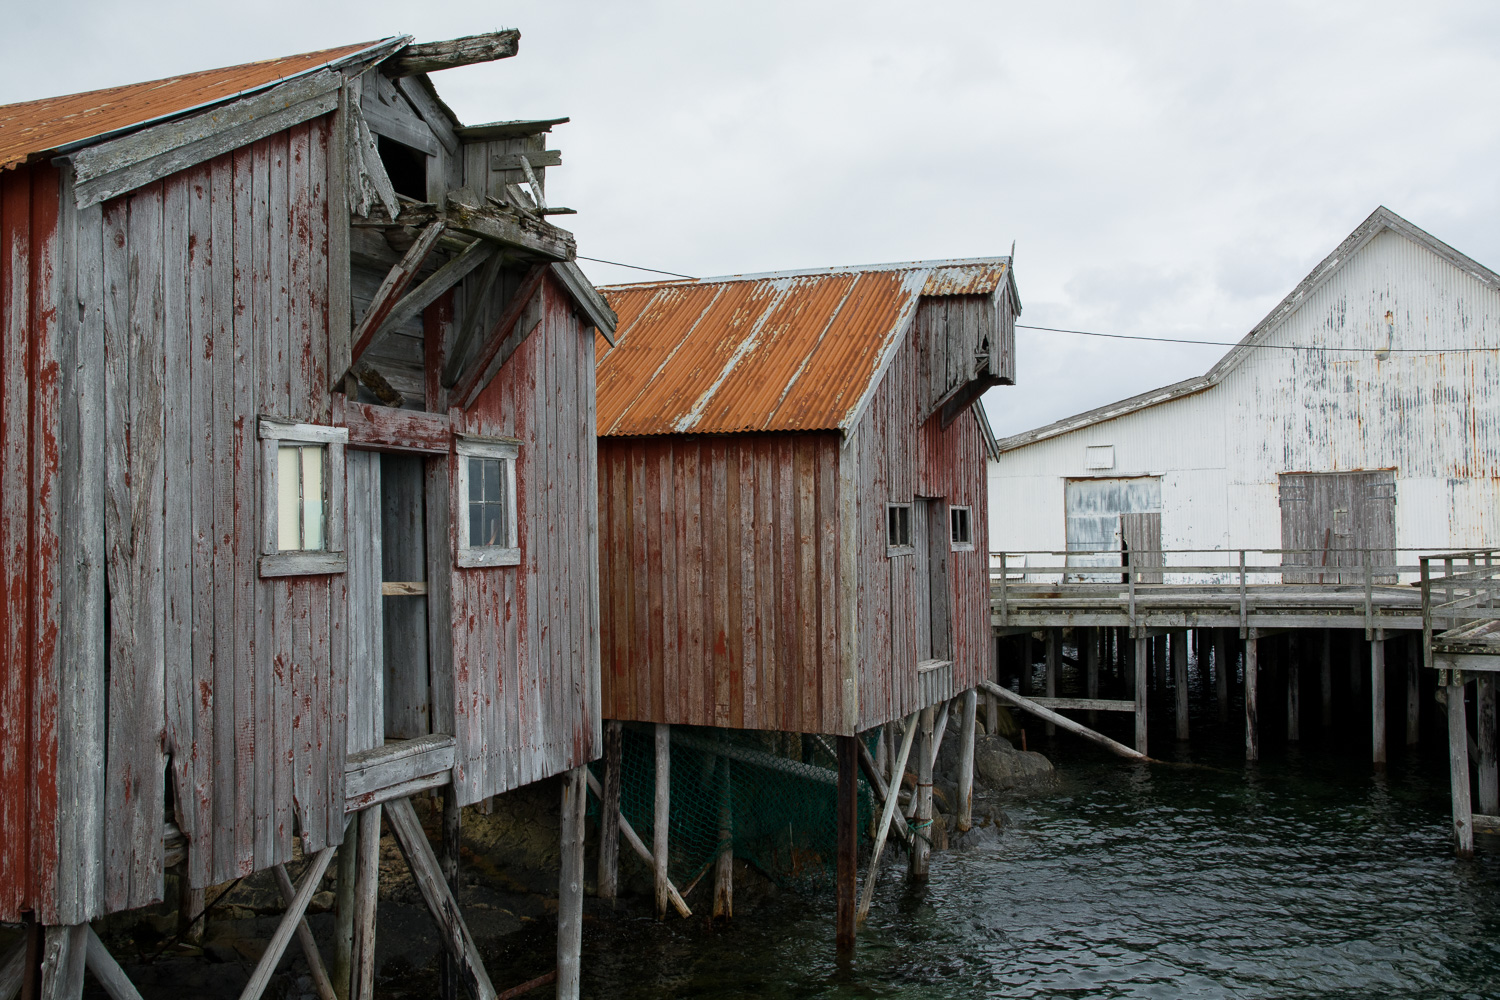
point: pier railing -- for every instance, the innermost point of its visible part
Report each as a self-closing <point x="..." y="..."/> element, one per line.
<point x="1459" y="589"/>
<point x="1238" y="577"/>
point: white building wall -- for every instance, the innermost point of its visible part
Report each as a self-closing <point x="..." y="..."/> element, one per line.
<point x="1434" y="418"/>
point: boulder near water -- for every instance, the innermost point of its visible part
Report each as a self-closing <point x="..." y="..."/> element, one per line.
<point x="1000" y="767"/>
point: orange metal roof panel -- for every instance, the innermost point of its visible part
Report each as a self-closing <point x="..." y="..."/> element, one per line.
<point x="38" y="126"/>
<point x="793" y="351"/>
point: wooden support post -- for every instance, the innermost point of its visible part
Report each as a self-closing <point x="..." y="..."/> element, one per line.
<point x="1293" y="690"/>
<point x="1458" y="766"/>
<point x="448" y="859"/>
<point x="1180" y="680"/>
<point x="343" y="909"/>
<point x="1142" y="670"/>
<point x="290" y="921"/>
<point x="609" y="812"/>
<point x="848" y="846"/>
<point x="570" y="883"/>
<point x="1026" y="663"/>
<point x="628" y="834"/>
<point x="1223" y="667"/>
<point x="1414" y="691"/>
<point x="190" y="903"/>
<point x="366" y="899"/>
<point x="921" y="829"/>
<point x="1091" y="640"/>
<point x="1252" y="671"/>
<point x="1054" y="661"/>
<point x="107" y="971"/>
<point x="966" y="761"/>
<point x="1356" y="669"/>
<point x="441" y="906"/>
<point x="887" y="814"/>
<point x="63" y="956"/>
<point x="724" y="863"/>
<point x="1377" y="699"/>
<point x="316" y="970"/>
<point x="1326" y="678"/>
<point x="1484" y="713"/>
<point x="661" y="816"/>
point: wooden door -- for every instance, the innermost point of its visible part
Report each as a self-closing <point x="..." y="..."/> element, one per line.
<point x="1140" y="544"/>
<point x="403" y="563"/>
<point x="366" y="620"/>
<point x="939" y="545"/>
<point x="1334" y="522"/>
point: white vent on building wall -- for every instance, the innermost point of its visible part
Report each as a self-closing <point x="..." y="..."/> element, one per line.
<point x="1099" y="456"/>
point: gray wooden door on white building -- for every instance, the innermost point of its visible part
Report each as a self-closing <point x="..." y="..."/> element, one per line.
<point x="1336" y="521"/>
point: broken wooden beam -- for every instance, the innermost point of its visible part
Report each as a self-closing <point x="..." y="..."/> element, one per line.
<point x="1061" y="721"/>
<point x="429" y="57"/>
<point x="391" y="290"/>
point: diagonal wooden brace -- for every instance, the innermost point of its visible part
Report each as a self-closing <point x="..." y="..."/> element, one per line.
<point x="264" y="969"/>
<point x="391" y="290"/>
<point x="315" y="965"/>
<point x="631" y="837"/>
<point x="868" y="894"/>
<point x="107" y="971"/>
<point x="412" y="840"/>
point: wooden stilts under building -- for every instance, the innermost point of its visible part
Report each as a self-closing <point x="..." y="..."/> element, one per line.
<point x="1141" y="679"/>
<point x="1294" y="689"/>
<point x="921" y="850"/>
<point x="1180" y="680"/>
<point x="1054" y="662"/>
<point x="848" y="846"/>
<point x="1223" y="671"/>
<point x="1252" y="681"/>
<point x="1414" y="692"/>
<point x="1484" y="726"/>
<point x="1377" y="699"/>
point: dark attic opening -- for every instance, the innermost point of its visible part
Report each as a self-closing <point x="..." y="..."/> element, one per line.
<point x="406" y="167"/>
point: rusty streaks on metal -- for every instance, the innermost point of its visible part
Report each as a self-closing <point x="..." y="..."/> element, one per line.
<point x="35" y="127"/>
<point x="783" y="351"/>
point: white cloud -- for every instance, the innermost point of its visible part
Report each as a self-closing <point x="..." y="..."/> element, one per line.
<point x="1166" y="168"/>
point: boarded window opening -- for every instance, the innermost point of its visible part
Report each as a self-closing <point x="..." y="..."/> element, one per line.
<point x="406" y="167"/>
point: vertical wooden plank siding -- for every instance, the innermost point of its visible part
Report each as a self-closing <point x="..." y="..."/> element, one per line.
<point x="525" y="640"/>
<point x="29" y="535"/>
<point x="214" y="287"/>
<point x="727" y="548"/>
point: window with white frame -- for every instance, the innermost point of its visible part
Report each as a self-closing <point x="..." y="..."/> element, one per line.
<point x="961" y="528"/>
<point x="897" y="529"/>
<point x="302" y="498"/>
<point x="488" y="532"/>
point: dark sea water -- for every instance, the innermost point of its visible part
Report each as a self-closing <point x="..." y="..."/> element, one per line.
<point x="1306" y="875"/>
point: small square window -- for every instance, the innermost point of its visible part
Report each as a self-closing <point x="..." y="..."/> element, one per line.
<point x="302" y="498"/>
<point x="897" y="528"/>
<point x="961" y="528"/>
<point x="488" y="533"/>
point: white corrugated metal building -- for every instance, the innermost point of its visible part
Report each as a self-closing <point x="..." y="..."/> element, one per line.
<point x="1409" y="421"/>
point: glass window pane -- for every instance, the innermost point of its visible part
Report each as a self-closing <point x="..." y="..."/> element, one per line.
<point x="476" y="522"/>
<point x="288" y="498"/>
<point x="312" y="497"/>
<point x="492" y="479"/>
<point x="476" y="480"/>
<point x="492" y="525"/>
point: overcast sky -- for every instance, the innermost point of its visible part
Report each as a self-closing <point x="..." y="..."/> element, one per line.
<point x="1166" y="169"/>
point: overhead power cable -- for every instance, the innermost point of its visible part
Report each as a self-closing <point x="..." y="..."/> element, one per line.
<point x="635" y="267"/>
<point x="1269" y="347"/>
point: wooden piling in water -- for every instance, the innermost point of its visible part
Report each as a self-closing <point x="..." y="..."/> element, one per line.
<point x="661" y="817"/>
<point x="1414" y="691"/>
<point x="1180" y="680"/>
<point x="724" y="863"/>
<point x="609" y="812"/>
<point x="1325" y="677"/>
<point x="966" y="760"/>
<point x="1484" y="716"/>
<point x="1294" y="689"/>
<point x="570" y="883"/>
<point x="1142" y="669"/>
<point x="1223" y="667"/>
<point x="1093" y="639"/>
<point x="1054" y="658"/>
<point x="921" y="828"/>
<point x="1252" y="671"/>
<point x="1458" y="766"/>
<point x="1377" y="699"/>
<point x="848" y="846"/>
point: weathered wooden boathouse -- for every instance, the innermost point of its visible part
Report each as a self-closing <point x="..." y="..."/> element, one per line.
<point x="1291" y="488"/>
<point x="299" y="503"/>
<point x="791" y="491"/>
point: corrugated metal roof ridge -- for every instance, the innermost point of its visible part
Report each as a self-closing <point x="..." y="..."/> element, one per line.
<point x="646" y="383"/>
<point x="910" y="265"/>
<point x="58" y="138"/>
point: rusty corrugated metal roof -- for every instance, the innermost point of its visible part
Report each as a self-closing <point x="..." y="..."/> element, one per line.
<point x="35" y="127"/>
<point x="782" y="351"/>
